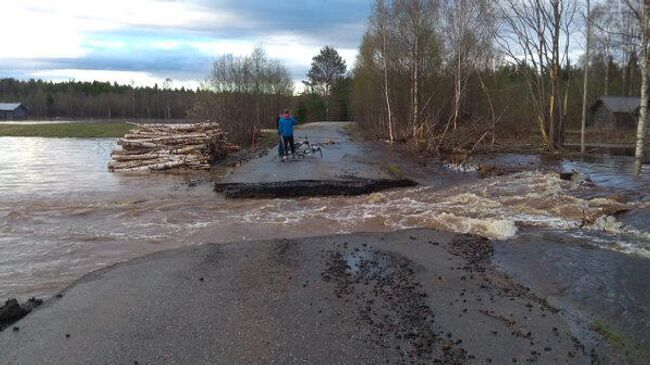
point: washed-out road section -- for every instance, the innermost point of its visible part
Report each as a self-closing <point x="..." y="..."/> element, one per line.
<point x="417" y="295"/>
<point x="403" y="297"/>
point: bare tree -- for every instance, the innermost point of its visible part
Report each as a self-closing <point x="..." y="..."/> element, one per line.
<point x="469" y="30"/>
<point x="585" y="88"/>
<point x="531" y="37"/>
<point x="244" y="93"/>
<point x="380" y="23"/>
<point x="641" y="9"/>
<point x="417" y="33"/>
<point x="167" y="85"/>
<point x="601" y="22"/>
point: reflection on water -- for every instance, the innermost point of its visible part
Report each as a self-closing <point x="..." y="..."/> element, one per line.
<point x="45" y="166"/>
<point x="54" y="168"/>
<point x="63" y="215"/>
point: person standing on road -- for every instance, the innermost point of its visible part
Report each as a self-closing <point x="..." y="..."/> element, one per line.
<point x="287" y="122"/>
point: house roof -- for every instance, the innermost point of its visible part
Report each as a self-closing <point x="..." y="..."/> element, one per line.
<point x="620" y="104"/>
<point x="9" y="106"/>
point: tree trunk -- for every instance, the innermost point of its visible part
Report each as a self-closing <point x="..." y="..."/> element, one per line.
<point x="626" y="75"/>
<point x="552" y="109"/>
<point x="606" y="91"/>
<point x="327" y="103"/>
<point x="391" y="136"/>
<point x="458" y="89"/>
<point x="643" y="113"/>
<point x="555" y="133"/>
<point x="416" y="95"/>
<point x="583" y="128"/>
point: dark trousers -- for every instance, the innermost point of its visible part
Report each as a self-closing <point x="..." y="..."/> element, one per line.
<point x="288" y="144"/>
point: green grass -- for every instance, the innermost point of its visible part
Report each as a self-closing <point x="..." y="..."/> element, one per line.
<point x="76" y="130"/>
<point x="267" y="138"/>
<point x="620" y="341"/>
<point x="395" y="171"/>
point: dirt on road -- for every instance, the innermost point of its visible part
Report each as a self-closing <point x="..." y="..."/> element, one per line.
<point x="403" y="297"/>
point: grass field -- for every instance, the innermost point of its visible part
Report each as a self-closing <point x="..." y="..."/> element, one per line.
<point x="76" y="130"/>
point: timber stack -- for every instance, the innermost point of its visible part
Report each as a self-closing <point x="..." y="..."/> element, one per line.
<point x="157" y="147"/>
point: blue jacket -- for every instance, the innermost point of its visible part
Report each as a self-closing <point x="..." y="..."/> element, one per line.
<point x="286" y="125"/>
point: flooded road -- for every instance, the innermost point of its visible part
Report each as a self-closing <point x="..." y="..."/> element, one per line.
<point x="589" y="285"/>
<point x="62" y="215"/>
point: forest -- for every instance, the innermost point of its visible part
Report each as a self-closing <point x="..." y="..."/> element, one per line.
<point x="437" y="75"/>
<point x="97" y="100"/>
<point x="448" y="75"/>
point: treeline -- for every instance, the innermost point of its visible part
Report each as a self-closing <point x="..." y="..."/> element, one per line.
<point x="312" y="106"/>
<point x="97" y="100"/>
<point x="440" y="75"/>
<point x="445" y="75"/>
<point x="246" y="93"/>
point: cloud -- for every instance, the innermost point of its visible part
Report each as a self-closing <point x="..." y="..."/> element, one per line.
<point x="117" y="14"/>
<point x="105" y="44"/>
<point x="223" y="47"/>
<point x="121" y="77"/>
<point x="155" y="39"/>
<point x="166" y="45"/>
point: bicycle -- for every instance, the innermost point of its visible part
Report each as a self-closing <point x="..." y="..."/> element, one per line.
<point x="304" y="148"/>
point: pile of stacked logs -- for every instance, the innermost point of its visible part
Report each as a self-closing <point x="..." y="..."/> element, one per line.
<point x="156" y="147"/>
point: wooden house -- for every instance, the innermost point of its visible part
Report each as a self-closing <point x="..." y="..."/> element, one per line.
<point x="12" y="111"/>
<point x="615" y="112"/>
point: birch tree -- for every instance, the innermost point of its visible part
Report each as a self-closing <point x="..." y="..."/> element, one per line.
<point x="585" y="88"/>
<point x="530" y="35"/>
<point x="380" y="23"/>
<point x="417" y="40"/>
<point x="641" y="9"/>
<point x="469" y="30"/>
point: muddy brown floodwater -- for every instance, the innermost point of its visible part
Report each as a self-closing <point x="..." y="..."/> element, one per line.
<point x="62" y="215"/>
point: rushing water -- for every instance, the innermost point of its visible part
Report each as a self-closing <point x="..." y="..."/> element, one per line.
<point x="63" y="215"/>
<point x="614" y="174"/>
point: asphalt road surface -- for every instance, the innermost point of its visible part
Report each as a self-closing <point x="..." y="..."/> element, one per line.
<point x="342" y="159"/>
<point x="403" y="297"/>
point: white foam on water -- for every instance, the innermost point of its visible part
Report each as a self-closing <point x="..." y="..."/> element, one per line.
<point x="632" y="249"/>
<point x="500" y="229"/>
<point x="461" y="167"/>
<point x="623" y="242"/>
<point x="495" y="207"/>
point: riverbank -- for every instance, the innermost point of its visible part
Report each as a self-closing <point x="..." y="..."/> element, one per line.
<point x="66" y="130"/>
<point x="399" y="297"/>
<point x="600" y="142"/>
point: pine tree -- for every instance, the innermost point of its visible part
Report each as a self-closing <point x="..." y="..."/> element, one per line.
<point x="327" y="67"/>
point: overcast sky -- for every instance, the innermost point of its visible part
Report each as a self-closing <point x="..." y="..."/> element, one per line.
<point x="146" y="41"/>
